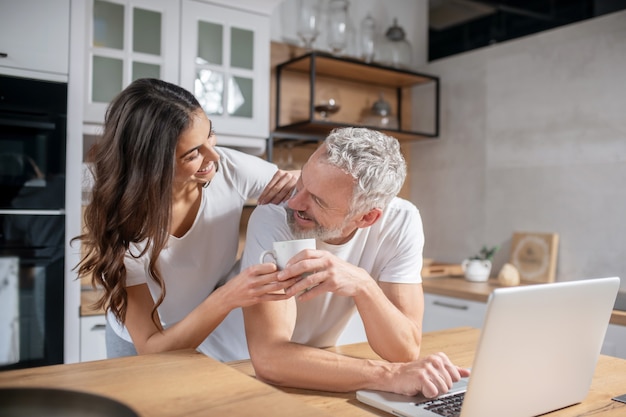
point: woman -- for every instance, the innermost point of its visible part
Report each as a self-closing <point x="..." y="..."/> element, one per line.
<point x="162" y="225"/>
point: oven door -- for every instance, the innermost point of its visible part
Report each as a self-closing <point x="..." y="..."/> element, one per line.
<point x="31" y="289"/>
<point x="32" y="164"/>
<point x="32" y="144"/>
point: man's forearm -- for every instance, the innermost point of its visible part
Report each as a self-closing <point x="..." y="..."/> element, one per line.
<point x="301" y="366"/>
<point x="392" y="334"/>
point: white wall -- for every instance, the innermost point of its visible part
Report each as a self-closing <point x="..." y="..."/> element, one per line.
<point x="533" y="138"/>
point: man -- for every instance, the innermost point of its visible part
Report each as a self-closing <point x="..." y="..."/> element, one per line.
<point x="368" y="257"/>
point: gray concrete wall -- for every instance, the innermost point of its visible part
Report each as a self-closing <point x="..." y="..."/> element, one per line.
<point x="533" y="138"/>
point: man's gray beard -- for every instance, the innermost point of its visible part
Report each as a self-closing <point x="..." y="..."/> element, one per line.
<point x="318" y="232"/>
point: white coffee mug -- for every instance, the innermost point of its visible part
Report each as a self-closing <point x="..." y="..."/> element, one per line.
<point x="283" y="251"/>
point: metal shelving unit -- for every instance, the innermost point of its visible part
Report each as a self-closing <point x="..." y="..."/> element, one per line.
<point x="299" y="80"/>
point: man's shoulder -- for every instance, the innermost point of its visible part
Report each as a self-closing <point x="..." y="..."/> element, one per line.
<point x="270" y="209"/>
<point x="400" y="204"/>
<point x="400" y="214"/>
<point x="268" y="214"/>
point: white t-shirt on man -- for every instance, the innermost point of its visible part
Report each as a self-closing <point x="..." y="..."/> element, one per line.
<point x="390" y="251"/>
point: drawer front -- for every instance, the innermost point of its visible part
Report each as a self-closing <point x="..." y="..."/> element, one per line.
<point x="92" y="342"/>
<point x="441" y="312"/>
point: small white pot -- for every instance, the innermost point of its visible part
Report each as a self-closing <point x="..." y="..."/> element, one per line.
<point x="476" y="270"/>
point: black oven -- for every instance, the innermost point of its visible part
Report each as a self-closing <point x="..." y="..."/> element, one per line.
<point x="32" y="143"/>
<point x="32" y="221"/>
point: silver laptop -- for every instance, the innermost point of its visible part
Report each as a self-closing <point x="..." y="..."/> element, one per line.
<point x="537" y="352"/>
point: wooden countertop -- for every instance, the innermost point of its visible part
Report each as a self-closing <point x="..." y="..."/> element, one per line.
<point x="187" y="383"/>
<point x="453" y="286"/>
<point x="459" y="287"/>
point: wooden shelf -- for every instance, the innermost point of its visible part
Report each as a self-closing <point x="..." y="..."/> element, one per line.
<point x="358" y="85"/>
<point x="355" y="70"/>
<point x="319" y="129"/>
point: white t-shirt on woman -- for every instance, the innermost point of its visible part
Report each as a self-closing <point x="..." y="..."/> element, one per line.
<point x="194" y="265"/>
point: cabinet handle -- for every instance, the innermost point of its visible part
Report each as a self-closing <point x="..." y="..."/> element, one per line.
<point x="450" y="305"/>
<point x="3" y="55"/>
<point x="98" y="327"/>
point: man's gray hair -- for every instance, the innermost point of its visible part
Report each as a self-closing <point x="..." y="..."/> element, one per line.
<point x="373" y="159"/>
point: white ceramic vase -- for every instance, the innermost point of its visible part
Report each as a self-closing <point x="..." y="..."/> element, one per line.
<point x="476" y="270"/>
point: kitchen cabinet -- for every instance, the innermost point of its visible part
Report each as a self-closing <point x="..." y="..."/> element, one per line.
<point x="92" y="324"/>
<point x="452" y="302"/>
<point x="127" y="40"/>
<point x="317" y="91"/>
<point x="92" y="340"/>
<point x="442" y="312"/>
<point x="224" y="61"/>
<point x="34" y="38"/>
<point x="218" y="53"/>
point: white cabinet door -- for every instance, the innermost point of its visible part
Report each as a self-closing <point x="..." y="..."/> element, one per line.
<point x="92" y="342"/>
<point x="224" y="61"/>
<point x="34" y="38"/>
<point x="127" y="40"/>
<point x="442" y="312"/>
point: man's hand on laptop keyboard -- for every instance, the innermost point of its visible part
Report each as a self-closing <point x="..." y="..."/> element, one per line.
<point x="432" y="375"/>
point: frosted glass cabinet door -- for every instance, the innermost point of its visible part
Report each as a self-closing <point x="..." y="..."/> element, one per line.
<point x="127" y="40"/>
<point x="225" y="63"/>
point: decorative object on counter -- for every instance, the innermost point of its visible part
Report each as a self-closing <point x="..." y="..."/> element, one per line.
<point x="478" y="267"/>
<point x="308" y="22"/>
<point x="367" y="38"/>
<point x="508" y="275"/>
<point x="395" y="50"/>
<point x="338" y="26"/>
<point x="535" y="255"/>
<point x="380" y="115"/>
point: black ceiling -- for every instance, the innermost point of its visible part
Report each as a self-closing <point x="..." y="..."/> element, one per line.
<point x="457" y="26"/>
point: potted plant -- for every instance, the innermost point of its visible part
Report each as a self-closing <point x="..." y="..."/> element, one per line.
<point x="478" y="267"/>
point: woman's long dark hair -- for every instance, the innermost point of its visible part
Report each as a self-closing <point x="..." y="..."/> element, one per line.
<point x="131" y="200"/>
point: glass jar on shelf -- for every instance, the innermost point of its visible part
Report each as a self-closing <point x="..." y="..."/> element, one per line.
<point x="380" y="115"/>
<point x="338" y="26"/>
<point x="394" y="49"/>
<point x="367" y="38"/>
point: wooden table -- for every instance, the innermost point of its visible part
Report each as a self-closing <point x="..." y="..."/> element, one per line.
<point x="182" y="383"/>
<point x="186" y="383"/>
<point x="459" y="344"/>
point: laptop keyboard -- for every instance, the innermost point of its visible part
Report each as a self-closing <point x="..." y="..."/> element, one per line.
<point x="448" y="406"/>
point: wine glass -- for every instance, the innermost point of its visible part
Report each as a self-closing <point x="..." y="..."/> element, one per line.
<point x="308" y="22"/>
